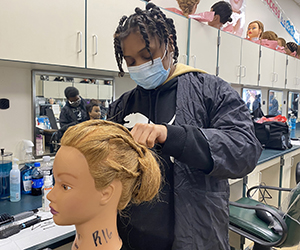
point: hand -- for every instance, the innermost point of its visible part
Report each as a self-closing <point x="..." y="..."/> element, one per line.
<point x="149" y="134"/>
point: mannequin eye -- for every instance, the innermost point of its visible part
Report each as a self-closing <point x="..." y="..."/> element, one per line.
<point x="65" y="187"/>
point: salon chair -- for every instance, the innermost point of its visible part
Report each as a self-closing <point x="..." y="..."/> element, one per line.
<point x="245" y="219"/>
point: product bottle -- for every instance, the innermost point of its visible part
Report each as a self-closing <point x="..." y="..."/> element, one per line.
<point x="39" y="145"/>
<point x="293" y="121"/>
<point x="37" y="180"/>
<point x="48" y="185"/>
<point x="26" y="171"/>
<point x="46" y="166"/>
<point x="15" y="182"/>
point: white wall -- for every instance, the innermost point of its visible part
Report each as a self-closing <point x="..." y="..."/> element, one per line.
<point x="15" y="122"/>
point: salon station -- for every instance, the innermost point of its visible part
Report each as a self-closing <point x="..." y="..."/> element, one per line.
<point x="49" y="47"/>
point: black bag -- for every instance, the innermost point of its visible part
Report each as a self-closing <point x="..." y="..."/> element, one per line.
<point x="273" y="134"/>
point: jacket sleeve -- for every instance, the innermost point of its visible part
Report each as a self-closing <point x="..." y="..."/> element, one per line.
<point x="65" y="119"/>
<point x="226" y="145"/>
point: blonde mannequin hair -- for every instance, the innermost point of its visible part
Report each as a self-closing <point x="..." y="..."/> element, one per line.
<point x="187" y="6"/>
<point x="112" y="153"/>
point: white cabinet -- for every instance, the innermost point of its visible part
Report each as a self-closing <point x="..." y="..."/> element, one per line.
<point x="249" y="63"/>
<point x="229" y="57"/>
<point x="102" y="20"/>
<point x="293" y="73"/>
<point x="87" y="91"/>
<point x="105" y="92"/>
<point x="272" y="68"/>
<point x="55" y="89"/>
<point x="43" y="31"/>
<point x="203" y="47"/>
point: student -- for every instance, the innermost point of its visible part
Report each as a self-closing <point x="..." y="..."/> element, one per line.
<point x="255" y="30"/>
<point x="223" y="13"/>
<point x="93" y="110"/>
<point x="98" y="170"/>
<point x="199" y="126"/>
<point x="273" y="104"/>
<point x="74" y="111"/>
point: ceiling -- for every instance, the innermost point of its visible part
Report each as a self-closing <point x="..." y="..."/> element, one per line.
<point x="297" y="2"/>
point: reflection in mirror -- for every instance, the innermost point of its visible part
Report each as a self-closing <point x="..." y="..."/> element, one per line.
<point x="293" y="104"/>
<point x="252" y="98"/>
<point x="53" y="112"/>
<point x="275" y="102"/>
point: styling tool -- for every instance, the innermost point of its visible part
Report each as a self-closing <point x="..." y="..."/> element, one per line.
<point x="14" y="229"/>
<point x="6" y="218"/>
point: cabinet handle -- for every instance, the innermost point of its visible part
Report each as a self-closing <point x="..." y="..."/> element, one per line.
<point x="245" y="71"/>
<point x="79" y="33"/>
<point x="95" y="44"/>
<point x="276" y="77"/>
<point x="184" y="59"/>
<point x="238" y="70"/>
<point x="194" y="59"/>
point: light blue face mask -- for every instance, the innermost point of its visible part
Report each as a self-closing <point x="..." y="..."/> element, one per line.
<point x="148" y="75"/>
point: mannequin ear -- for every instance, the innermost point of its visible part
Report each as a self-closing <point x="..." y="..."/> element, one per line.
<point x="106" y="194"/>
<point x="217" y="18"/>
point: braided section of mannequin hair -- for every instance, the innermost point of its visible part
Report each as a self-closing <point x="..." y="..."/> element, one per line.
<point x="149" y="23"/>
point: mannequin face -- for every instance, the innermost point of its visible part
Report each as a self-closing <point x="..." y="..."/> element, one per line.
<point x="74" y="198"/>
<point x="253" y="31"/>
<point x="236" y="5"/>
<point x="95" y="113"/>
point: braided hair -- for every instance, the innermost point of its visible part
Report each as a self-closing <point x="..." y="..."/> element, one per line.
<point x="112" y="153"/>
<point x="149" y="23"/>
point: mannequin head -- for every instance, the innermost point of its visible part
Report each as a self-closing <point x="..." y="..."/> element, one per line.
<point x="255" y="30"/>
<point x="291" y="48"/>
<point x="269" y="35"/>
<point x="188" y="7"/>
<point x="93" y="110"/>
<point x="98" y="170"/>
<point x="223" y="13"/>
<point x="281" y="42"/>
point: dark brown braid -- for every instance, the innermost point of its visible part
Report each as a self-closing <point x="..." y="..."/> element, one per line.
<point x="150" y="23"/>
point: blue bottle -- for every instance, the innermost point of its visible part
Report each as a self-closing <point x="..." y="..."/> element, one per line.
<point x="293" y="121"/>
<point x="37" y="179"/>
<point x="5" y="167"/>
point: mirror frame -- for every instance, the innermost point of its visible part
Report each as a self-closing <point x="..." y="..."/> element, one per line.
<point x="34" y="73"/>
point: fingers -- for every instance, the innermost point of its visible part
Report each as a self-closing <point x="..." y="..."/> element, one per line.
<point x="149" y="134"/>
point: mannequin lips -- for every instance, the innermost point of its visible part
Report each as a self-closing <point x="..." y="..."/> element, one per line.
<point x="53" y="211"/>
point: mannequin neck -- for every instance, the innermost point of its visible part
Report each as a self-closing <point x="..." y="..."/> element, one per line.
<point x="99" y="233"/>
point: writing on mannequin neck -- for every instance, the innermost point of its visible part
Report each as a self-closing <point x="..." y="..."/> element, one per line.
<point x="98" y="170"/>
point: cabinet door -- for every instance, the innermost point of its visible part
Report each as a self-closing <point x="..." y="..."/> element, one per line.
<point x="105" y="92"/>
<point x="291" y="77"/>
<point x="229" y="57"/>
<point x="43" y="31"/>
<point x="51" y="89"/>
<point x="279" y="69"/>
<point x="102" y="21"/>
<point x="92" y="91"/>
<point x="266" y="67"/>
<point x="81" y="88"/>
<point x="249" y="63"/>
<point x="203" y="47"/>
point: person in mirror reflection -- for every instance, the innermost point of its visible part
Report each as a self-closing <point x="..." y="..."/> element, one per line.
<point x="222" y="15"/>
<point x="74" y="111"/>
<point x="189" y="119"/>
<point x="255" y="30"/>
<point x="93" y="110"/>
<point x="98" y="170"/>
<point x="273" y="104"/>
<point x="188" y="7"/>
<point x="291" y="48"/>
<point x="236" y="27"/>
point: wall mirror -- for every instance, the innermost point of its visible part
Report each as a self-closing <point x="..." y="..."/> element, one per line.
<point x="293" y="103"/>
<point x="275" y="102"/>
<point x="252" y="98"/>
<point x="49" y="98"/>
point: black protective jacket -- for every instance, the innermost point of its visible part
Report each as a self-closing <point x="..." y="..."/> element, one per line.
<point x="210" y="117"/>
